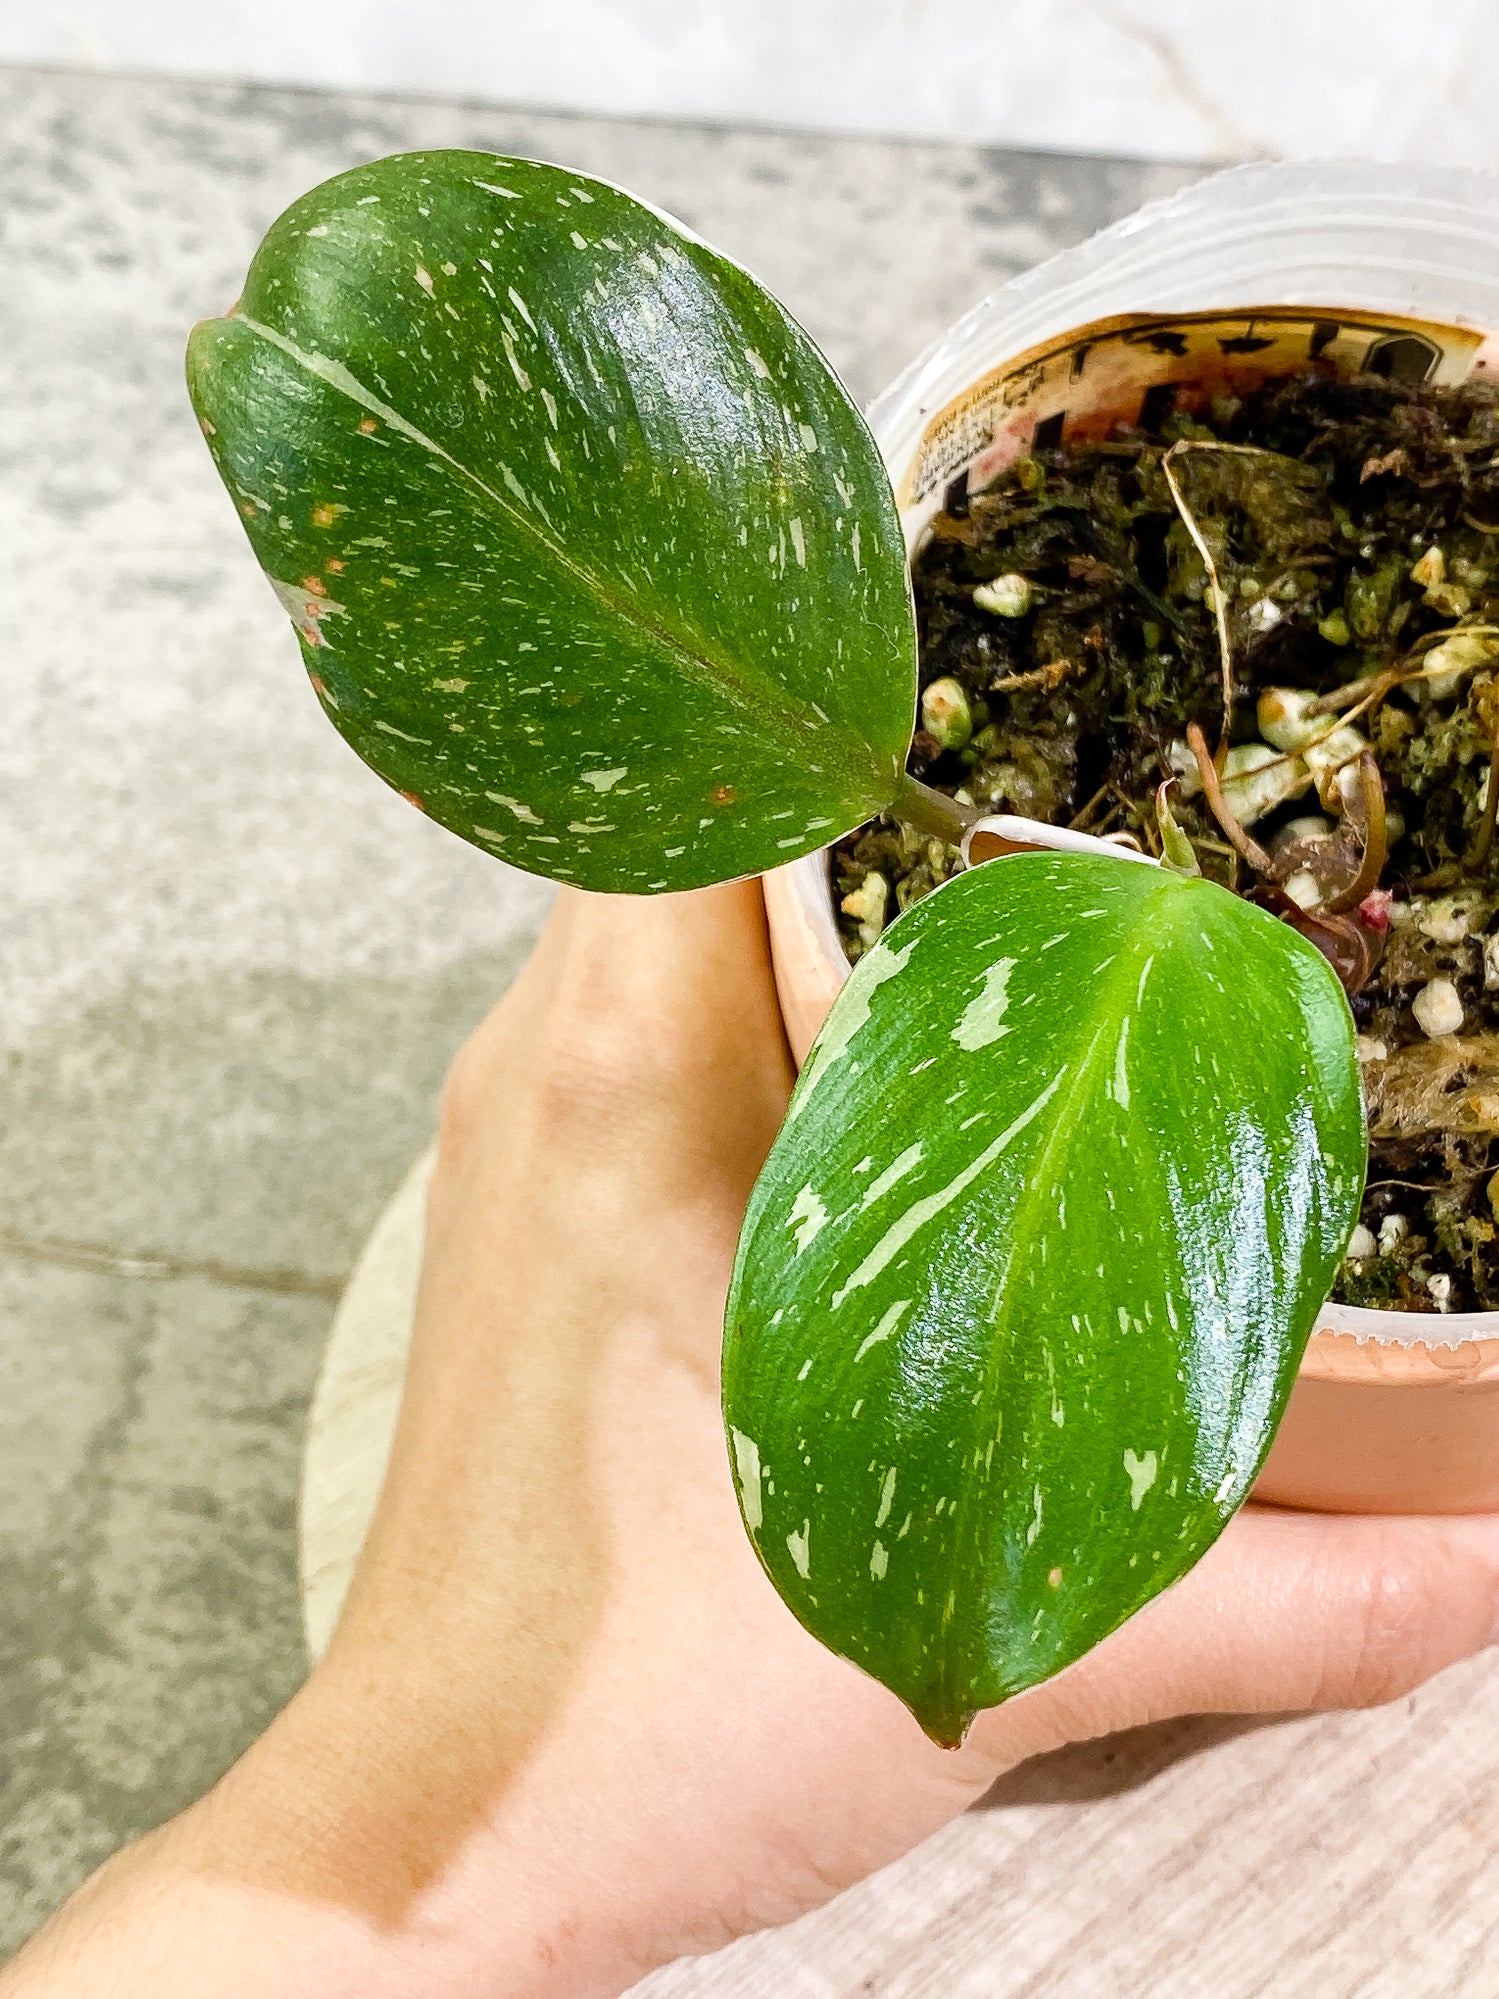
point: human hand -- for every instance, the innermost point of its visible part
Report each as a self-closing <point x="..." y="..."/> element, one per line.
<point x="566" y="1730"/>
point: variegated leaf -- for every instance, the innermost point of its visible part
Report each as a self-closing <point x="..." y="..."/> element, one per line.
<point x="588" y="550"/>
<point x="1025" y="1282"/>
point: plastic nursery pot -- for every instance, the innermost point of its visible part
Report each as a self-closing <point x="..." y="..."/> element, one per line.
<point x="1253" y="272"/>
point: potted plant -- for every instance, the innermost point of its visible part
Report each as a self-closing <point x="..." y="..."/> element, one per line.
<point x="591" y="557"/>
<point x="1393" y="1409"/>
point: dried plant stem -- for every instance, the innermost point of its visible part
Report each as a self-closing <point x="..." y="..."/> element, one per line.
<point x="1376" y="840"/>
<point x="1352" y="691"/>
<point x="1442" y="877"/>
<point x="1379" y="685"/>
<point x="1379" y="682"/>
<point x="1458" y="631"/>
<point x="1234" y="833"/>
<point x="1189" y="522"/>
<point x="1220" y="613"/>
<point x="1080" y="818"/>
<point x="1048" y="676"/>
<point x="1218" y="444"/>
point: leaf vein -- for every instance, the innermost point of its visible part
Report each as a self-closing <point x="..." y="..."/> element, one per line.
<point x="756" y="694"/>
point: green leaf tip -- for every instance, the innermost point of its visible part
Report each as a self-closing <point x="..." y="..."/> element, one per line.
<point x="1023" y="1287"/>
<point x="587" y="550"/>
<point x="1177" y="852"/>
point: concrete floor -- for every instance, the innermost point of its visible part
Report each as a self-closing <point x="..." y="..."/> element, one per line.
<point x="232" y="965"/>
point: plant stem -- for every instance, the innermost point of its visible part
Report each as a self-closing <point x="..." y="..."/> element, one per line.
<point x="932" y="812"/>
<point x="1376" y="840"/>
<point x="1249" y="848"/>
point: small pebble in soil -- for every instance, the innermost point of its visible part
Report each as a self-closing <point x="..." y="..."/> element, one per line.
<point x="866" y="905"/>
<point x="1007" y="596"/>
<point x="1448" y="920"/>
<point x="945" y="713"/>
<point x="1437" y="1008"/>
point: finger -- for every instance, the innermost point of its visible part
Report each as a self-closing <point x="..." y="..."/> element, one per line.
<point x="1290" y="1611"/>
<point x="700" y="957"/>
<point x="644" y="1036"/>
<point x="673" y="998"/>
<point x="655" y="971"/>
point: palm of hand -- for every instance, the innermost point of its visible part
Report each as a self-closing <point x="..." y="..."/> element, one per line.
<point x="573" y="1644"/>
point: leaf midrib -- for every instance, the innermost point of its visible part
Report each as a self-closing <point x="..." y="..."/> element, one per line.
<point x="1038" y="1180"/>
<point x="751" y="692"/>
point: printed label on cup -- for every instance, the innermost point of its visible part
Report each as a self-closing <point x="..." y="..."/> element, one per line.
<point x="1139" y="369"/>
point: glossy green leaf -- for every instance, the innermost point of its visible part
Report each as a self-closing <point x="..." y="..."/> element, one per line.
<point x="1023" y="1287"/>
<point x="589" y="552"/>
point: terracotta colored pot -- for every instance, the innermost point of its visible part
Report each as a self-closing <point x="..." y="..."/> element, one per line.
<point x="1392" y="1411"/>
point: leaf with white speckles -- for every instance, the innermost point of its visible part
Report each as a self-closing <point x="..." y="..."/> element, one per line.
<point x="562" y="503"/>
<point x="982" y="1435"/>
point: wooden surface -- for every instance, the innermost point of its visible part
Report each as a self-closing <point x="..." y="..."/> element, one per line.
<point x="1336" y="1857"/>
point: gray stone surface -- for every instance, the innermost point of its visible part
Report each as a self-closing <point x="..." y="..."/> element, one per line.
<point x="150" y="1434"/>
<point x="232" y="965"/>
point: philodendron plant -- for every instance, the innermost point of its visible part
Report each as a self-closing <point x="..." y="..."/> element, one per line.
<point x="591" y="556"/>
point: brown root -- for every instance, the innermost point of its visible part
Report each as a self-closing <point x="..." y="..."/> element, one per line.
<point x="1212" y="788"/>
<point x="1376" y="840"/>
